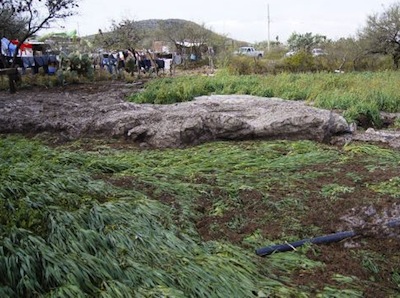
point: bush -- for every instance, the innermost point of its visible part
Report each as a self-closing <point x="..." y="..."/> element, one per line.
<point x="131" y="66"/>
<point x="79" y="63"/>
<point x="364" y="114"/>
<point x="243" y="65"/>
<point x="300" y="62"/>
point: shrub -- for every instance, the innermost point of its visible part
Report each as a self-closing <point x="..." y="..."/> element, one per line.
<point x="300" y="62"/>
<point x="130" y="66"/>
<point x="365" y="114"/>
<point x="243" y="65"/>
<point x="80" y="63"/>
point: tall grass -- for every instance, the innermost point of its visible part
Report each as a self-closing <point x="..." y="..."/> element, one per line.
<point x="357" y="94"/>
<point x="64" y="234"/>
<point x="229" y="169"/>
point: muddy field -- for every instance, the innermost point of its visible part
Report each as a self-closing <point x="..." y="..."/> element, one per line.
<point x="352" y="211"/>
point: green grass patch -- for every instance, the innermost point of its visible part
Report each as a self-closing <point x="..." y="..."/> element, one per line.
<point x="64" y="233"/>
<point x="123" y="223"/>
<point x="359" y="95"/>
<point x="390" y="187"/>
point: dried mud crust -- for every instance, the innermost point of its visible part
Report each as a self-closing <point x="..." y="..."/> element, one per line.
<point x="62" y="113"/>
<point x="76" y="92"/>
<point x="100" y="109"/>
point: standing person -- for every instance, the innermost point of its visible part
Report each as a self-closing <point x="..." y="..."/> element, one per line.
<point x="121" y="60"/>
<point x="111" y="63"/>
<point x="210" y="52"/>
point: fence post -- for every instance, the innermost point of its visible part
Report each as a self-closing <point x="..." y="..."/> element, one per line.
<point x="12" y="74"/>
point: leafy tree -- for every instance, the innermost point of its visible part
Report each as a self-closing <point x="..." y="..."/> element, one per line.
<point x="305" y="42"/>
<point x="123" y="35"/>
<point x="127" y="34"/>
<point x="382" y="33"/>
<point x="179" y="31"/>
<point x="346" y="53"/>
<point x="35" y="15"/>
<point x="187" y="33"/>
<point x="11" y="25"/>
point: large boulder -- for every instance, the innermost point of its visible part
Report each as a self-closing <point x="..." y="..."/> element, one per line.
<point x="207" y="118"/>
<point x="227" y="117"/>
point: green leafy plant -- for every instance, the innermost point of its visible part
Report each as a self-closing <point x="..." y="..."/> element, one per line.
<point x="333" y="191"/>
<point x="397" y="123"/>
<point x="64" y="233"/>
<point x="396" y="278"/>
<point x="79" y="63"/>
<point x="390" y="187"/>
<point x="299" y="62"/>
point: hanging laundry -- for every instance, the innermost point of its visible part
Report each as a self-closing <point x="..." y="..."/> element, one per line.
<point x="7" y="47"/>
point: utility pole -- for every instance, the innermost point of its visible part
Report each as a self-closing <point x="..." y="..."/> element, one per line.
<point x="269" y="24"/>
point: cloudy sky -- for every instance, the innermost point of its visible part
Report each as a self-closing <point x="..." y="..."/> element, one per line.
<point x="238" y="19"/>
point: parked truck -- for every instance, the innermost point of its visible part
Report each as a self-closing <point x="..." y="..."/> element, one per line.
<point x="249" y="51"/>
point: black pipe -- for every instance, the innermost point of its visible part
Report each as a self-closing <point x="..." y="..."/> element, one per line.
<point x="317" y="240"/>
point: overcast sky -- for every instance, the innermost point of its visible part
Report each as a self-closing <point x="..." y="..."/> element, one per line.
<point x="245" y="20"/>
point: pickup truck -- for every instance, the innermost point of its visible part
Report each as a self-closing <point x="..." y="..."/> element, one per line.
<point x="249" y="51"/>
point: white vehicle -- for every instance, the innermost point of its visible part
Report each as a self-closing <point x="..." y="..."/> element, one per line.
<point x="314" y="52"/>
<point x="249" y="51"/>
<point x="290" y="53"/>
<point x="318" y="52"/>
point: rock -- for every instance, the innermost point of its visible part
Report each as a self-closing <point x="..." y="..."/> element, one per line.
<point x="207" y="118"/>
<point x="368" y="221"/>
<point x="392" y="138"/>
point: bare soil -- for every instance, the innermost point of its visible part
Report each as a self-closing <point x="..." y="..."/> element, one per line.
<point x="329" y="215"/>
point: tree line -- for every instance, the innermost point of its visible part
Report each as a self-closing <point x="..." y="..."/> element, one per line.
<point x="379" y="37"/>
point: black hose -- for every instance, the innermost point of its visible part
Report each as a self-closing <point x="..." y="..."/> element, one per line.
<point x="317" y="240"/>
<point x="335" y="237"/>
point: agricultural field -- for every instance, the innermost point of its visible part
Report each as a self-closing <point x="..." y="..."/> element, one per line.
<point x="107" y="218"/>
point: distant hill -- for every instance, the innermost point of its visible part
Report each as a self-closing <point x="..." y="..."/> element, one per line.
<point x="178" y="29"/>
<point x="160" y="28"/>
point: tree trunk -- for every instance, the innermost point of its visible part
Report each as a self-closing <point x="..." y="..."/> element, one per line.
<point x="396" y="58"/>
